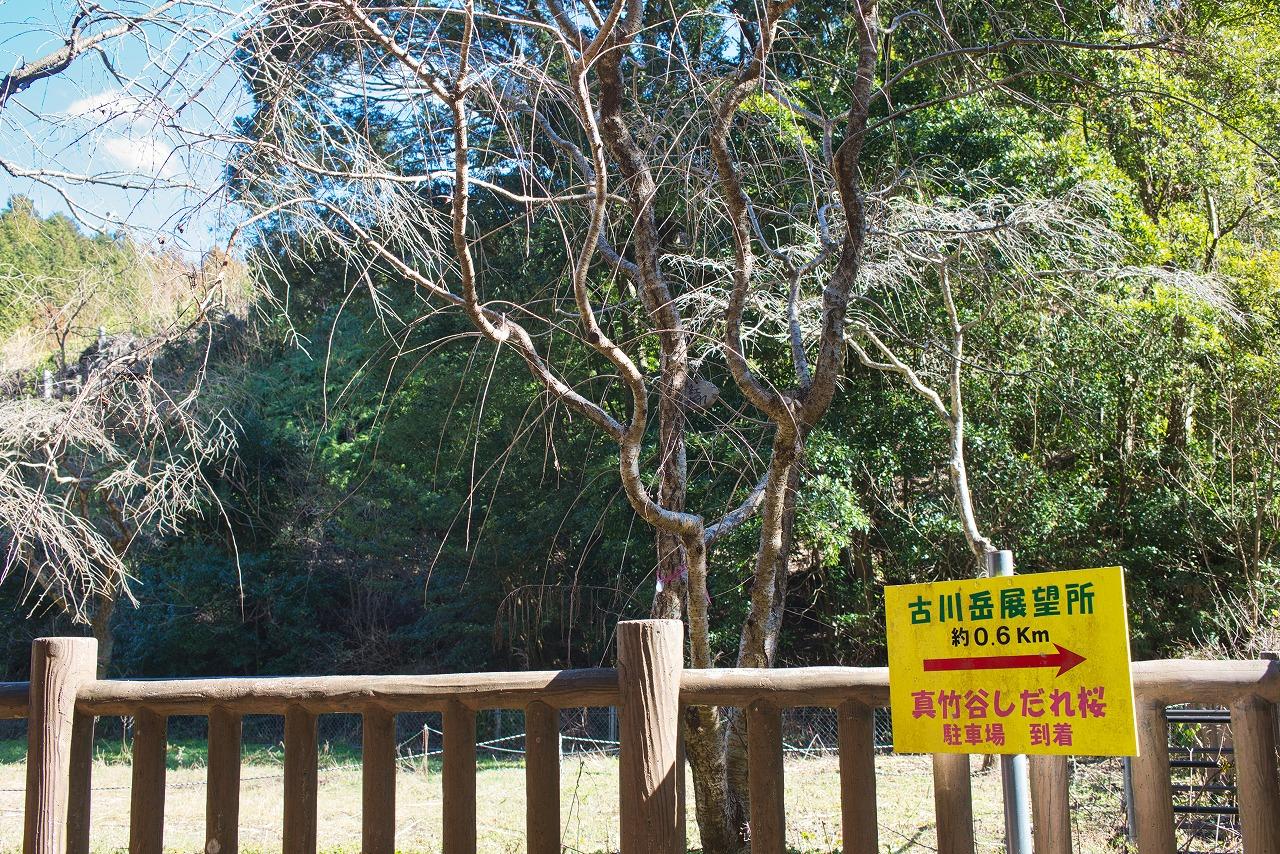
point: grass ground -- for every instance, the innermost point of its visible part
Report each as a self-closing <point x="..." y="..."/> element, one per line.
<point x="589" y="804"/>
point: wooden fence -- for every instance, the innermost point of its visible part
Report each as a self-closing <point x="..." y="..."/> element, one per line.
<point x="648" y="687"/>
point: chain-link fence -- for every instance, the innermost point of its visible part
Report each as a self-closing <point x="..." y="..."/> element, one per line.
<point x="499" y="732"/>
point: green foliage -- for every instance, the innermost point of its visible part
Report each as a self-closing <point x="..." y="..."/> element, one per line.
<point x="31" y="249"/>
<point x="59" y="287"/>
<point x="406" y="500"/>
<point x="37" y="245"/>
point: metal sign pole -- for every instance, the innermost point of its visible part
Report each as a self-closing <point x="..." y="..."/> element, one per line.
<point x="1014" y="776"/>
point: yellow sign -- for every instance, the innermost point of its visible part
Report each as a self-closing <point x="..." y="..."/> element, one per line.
<point x="1013" y="664"/>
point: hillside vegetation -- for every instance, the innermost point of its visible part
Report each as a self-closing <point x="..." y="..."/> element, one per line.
<point x="403" y="497"/>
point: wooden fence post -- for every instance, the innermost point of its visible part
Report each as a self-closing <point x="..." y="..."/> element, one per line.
<point x="542" y="778"/>
<point x="953" y="803"/>
<point x="301" y="780"/>
<point x="682" y="764"/>
<point x="378" y="782"/>
<point x="459" y="779"/>
<point x="59" y="666"/>
<point x="222" y="794"/>
<point x="650" y="660"/>
<point x="146" y="794"/>
<point x="78" y="799"/>
<point x="1253" y="731"/>
<point x="764" y="779"/>
<point x="857" y="736"/>
<point x="1051" y="804"/>
<point x="1152" y="789"/>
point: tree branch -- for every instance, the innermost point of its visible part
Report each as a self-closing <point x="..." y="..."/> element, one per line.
<point x="57" y="61"/>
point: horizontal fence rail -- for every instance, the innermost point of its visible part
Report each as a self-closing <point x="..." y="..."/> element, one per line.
<point x="648" y="687"/>
<point x="1164" y="683"/>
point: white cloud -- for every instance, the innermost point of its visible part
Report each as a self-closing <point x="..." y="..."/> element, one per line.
<point x="140" y="155"/>
<point x="114" y="107"/>
<point x="94" y="103"/>
<point x="124" y="130"/>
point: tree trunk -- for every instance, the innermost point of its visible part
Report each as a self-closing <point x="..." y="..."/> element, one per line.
<point x="669" y="592"/>
<point x="704" y="747"/>
<point x="782" y="572"/>
<point x="673" y="484"/>
<point x="1178" y="419"/>
<point x="715" y="739"/>
<point x="759" y="640"/>
<point x="704" y="728"/>
<point x="777" y="515"/>
<point x="104" y="607"/>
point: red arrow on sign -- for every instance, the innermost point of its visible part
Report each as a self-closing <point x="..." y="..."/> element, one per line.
<point x="1064" y="659"/>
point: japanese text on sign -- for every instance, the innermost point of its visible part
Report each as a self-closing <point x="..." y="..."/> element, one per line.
<point x="1020" y="664"/>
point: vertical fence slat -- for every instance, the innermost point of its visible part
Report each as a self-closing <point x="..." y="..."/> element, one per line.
<point x="222" y="793"/>
<point x="1253" y="733"/>
<point x="459" y="779"/>
<point x="59" y="666"/>
<point x="650" y="661"/>
<point x="856" y="723"/>
<point x="300" y="781"/>
<point x="682" y="765"/>
<point x="1051" y="804"/>
<point x="542" y="778"/>
<point x="953" y="803"/>
<point x="1152" y="788"/>
<point x="764" y="779"/>
<point x="378" y="782"/>
<point x="81" y="784"/>
<point x="146" y="797"/>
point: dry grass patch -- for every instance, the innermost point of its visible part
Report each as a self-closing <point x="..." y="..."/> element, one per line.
<point x="589" y="806"/>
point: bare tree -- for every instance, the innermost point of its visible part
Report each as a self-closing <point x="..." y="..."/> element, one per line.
<point x="950" y="264"/>
<point x="706" y="212"/>
<point x="122" y="451"/>
<point x="123" y="287"/>
<point x="569" y="112"/>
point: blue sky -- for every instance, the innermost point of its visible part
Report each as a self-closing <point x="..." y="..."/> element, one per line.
<point x="88" y="120"/>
